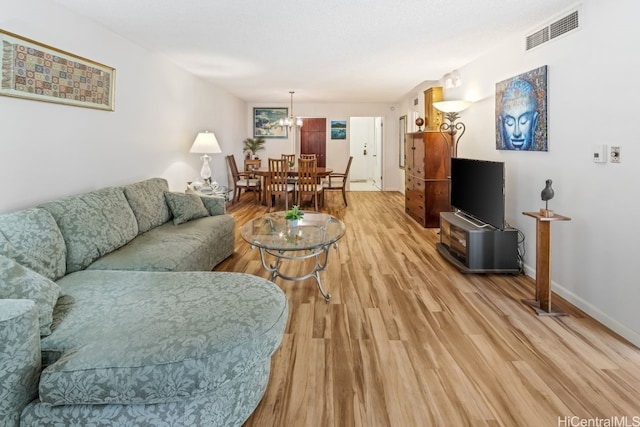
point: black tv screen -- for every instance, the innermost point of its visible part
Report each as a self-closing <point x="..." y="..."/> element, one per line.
<point x="477" y="189"/>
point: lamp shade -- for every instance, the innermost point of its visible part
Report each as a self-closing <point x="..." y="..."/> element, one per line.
<point x="205" y="143"/>
<point x="452" y="106"/>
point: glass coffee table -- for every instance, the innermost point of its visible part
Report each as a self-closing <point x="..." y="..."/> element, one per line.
<point x="279" y="239"/>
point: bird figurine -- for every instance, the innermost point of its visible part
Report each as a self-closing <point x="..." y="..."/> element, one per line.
<point x="546" y="195"/>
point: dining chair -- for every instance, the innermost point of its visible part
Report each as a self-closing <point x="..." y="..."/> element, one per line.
<point x="276" y="183"/>
<point x="291" y="159"/>
<point x="242" y="180"/>
<point x="252" y="164"/>
<point x="338" y="182"/>
<point x="308" y="182"/>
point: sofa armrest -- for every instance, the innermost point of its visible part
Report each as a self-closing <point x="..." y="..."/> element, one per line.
<point x="216" y="205"/>
<point x="20" y="357"/>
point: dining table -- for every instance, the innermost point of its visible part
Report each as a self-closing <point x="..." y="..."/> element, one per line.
<point x="263" y="172"/>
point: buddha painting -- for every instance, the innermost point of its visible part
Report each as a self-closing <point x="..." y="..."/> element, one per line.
<point x="521" y="112"/>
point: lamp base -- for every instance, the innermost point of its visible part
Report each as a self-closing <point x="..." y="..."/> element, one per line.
<point x="205" y="172"/>
<point x="209" y="187"/>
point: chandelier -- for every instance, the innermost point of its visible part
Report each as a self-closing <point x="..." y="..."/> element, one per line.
<point x="291" y="121"/>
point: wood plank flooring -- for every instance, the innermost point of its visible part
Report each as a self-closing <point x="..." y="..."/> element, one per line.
<point x="409" y="341"/>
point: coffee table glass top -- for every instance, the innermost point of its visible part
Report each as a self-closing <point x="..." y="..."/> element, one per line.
<point x="273" y="232"/>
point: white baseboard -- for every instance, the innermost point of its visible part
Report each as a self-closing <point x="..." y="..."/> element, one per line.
<point x="593" y="311"/>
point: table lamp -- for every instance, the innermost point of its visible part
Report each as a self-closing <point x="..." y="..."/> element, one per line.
<point x="205" y="144"/>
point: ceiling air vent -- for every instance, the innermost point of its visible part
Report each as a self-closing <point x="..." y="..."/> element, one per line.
<point x="564" y="25"/>
<point x="553" y="30"/>
<point x="537" y="38"/>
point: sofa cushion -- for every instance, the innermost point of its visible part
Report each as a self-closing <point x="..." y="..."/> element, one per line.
<point x="197" y="245"/>
<point x="185" y="207"/>
<point x="19" y="358"/>
<point x="215" y="205"/>
<point x="147" y="202"/>
<point x="19" y="282"/>
<point x="230" y="405"/>
<point x="149" y="337"/>
<point x="93" y="224"/>
<point x="32" y="237"/>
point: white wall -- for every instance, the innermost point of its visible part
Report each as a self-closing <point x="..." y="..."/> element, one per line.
<point x="52" y="150"/>
<point x="338" y="150"/>
<point x="592" y="99"/>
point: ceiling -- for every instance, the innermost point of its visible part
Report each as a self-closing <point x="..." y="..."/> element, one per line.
<point x="327" y="51"/>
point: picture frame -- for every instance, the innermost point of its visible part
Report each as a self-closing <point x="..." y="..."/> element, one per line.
<point x="36" y="71"/>
<point x="338" y="129"/>
<point x="521" y="112"/>
<point x="402" y="135"/>
<point x="266" y="123"/>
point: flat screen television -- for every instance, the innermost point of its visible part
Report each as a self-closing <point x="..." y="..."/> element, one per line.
<point x="477" y="189"/>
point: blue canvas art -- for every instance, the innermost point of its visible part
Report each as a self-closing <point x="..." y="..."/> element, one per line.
<point x="338" y="129"/>
<point x="521" y="112"/>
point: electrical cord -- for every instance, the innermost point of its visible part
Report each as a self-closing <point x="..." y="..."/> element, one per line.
<point x="521" y="249"/>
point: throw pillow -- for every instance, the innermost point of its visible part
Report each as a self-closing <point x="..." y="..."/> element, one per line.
<point x="215" y="205"/>
<point x="19" y="282"/>
<point x="185" y="207"/>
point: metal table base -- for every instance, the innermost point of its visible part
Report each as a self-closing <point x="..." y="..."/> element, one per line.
<point x="321" y="255"/>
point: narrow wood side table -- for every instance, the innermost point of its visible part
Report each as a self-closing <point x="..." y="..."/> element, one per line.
<point x="542" y="302"/>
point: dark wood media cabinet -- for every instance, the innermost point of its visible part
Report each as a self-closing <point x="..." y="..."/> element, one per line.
<point x="476" y="248"/>
<point x="426" y="177"/>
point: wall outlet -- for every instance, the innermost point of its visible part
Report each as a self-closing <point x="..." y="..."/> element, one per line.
<point x="615" y="155"/>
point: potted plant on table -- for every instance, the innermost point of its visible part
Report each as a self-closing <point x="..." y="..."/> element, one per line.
<point x="293" y="215"/>
<point x="253" y="145"/>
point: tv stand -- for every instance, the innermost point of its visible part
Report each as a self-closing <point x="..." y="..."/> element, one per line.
<point x="472" y="221"/>
<point x="476" y="248"/>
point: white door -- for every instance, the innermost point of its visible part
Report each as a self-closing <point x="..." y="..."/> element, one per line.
<point x="366" y="148"/>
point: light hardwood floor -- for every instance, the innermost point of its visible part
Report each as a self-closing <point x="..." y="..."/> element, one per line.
<point x="409" y="341"/>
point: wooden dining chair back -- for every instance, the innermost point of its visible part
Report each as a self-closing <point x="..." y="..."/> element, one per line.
<point x="291" y="158"/>
<point x="291" y="161"/>
<point x="308" y="182"/>
<point x="252" y="164"/>
<point x="277" y="185"/>
<point x="308" y="156"/>
<point x="242" y="180"/>
<point x="338" y="182"/>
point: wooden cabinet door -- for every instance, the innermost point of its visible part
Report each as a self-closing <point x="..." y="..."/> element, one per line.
<point x="313" y="139"/>
<point x="414" y="154"/>
<point x="436" y="156"/>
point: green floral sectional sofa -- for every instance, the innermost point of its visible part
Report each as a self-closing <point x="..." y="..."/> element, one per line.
<point x="110" y="314"/>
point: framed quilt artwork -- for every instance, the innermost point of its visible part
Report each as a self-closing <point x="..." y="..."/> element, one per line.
<point x="266" y="123"/>
<point x="521" y="112"/>
<point x="32" y="70"/>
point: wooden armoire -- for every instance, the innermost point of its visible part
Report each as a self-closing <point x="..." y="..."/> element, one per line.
<point x="427" y="174"/>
